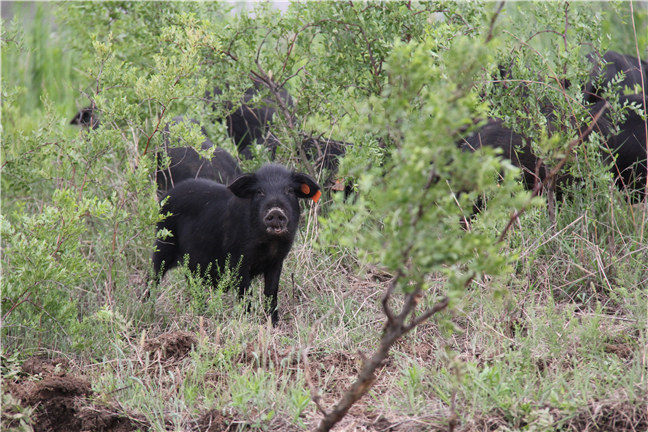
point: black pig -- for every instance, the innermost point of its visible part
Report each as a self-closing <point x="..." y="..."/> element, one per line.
<point x="326" y="154"/>
<point x="252" y="221"/>
<point x="185" y="163"/>
<point x="630" y="147"/>
<point x="86" y="117"/>
<point x="250" y="120"/>
<point x="514" y="148"/>
<point x="635" y="74"/>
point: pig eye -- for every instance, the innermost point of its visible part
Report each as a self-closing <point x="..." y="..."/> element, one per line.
<point x="260" y="193"/>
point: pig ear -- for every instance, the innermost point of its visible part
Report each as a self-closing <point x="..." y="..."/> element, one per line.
<point x="306" y="187"/>
<point x="244" y="186"/>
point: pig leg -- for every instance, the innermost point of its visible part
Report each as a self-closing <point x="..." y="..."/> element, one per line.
<point x="271" y="290"/>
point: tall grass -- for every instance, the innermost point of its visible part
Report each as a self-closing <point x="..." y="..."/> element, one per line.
<point x="35" y="58"/>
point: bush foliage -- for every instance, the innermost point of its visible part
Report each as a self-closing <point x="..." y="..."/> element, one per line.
<point x="403" y="82"/>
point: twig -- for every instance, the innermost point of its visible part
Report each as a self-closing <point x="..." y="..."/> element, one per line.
<point x="157" y="126"/>
<point x="489" y="36"/>
<point x="289" y="115"/>
<point x="431" y="311"/>
<point x="23" y="300"/>
<point x="42" y="309"/>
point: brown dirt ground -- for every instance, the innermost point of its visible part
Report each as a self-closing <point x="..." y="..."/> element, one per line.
<point x="107" y="419"/>
<point x="621" y="416"/>
<point x="171" y="346"/>
<point x="61" y="400"/>
<point x="600" y="416"/>
<point x="215" y="421"/>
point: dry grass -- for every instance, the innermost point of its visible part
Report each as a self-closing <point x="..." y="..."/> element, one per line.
<point x="514" y="353"/>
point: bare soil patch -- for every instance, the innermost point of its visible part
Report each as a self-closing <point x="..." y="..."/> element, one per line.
<point x="624" y="351"/>
<point x="619" y="416"/>
<point x="601" y="416"/>
<point x="382" y="424"/>
<point x="107" y="419"/>
<point x="217" y="421"/>
<point x="171" y="346"/>
<point x="45" y="366"/>
<point x="62" y="401"/>
<point x="56" y="399"/>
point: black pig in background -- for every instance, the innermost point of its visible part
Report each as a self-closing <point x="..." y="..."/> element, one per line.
<point x="185" y="162"/>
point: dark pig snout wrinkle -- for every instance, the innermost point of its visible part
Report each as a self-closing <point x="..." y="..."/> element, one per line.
<point x="276" y="221"/>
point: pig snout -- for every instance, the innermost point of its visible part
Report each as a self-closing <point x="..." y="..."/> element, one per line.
<point x="276" y="221"/>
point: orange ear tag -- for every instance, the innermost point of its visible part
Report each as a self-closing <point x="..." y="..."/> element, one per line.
<point x="305" y="189"/>
<point x="317" y="196"/>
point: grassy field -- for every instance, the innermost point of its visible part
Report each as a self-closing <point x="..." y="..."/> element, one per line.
<point x="559" y="343"/>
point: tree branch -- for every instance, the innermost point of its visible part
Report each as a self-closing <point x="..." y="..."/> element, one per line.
<point x="385" y="299"/>
<point x="491" y="27"/>
<point x="393" y="331"/>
